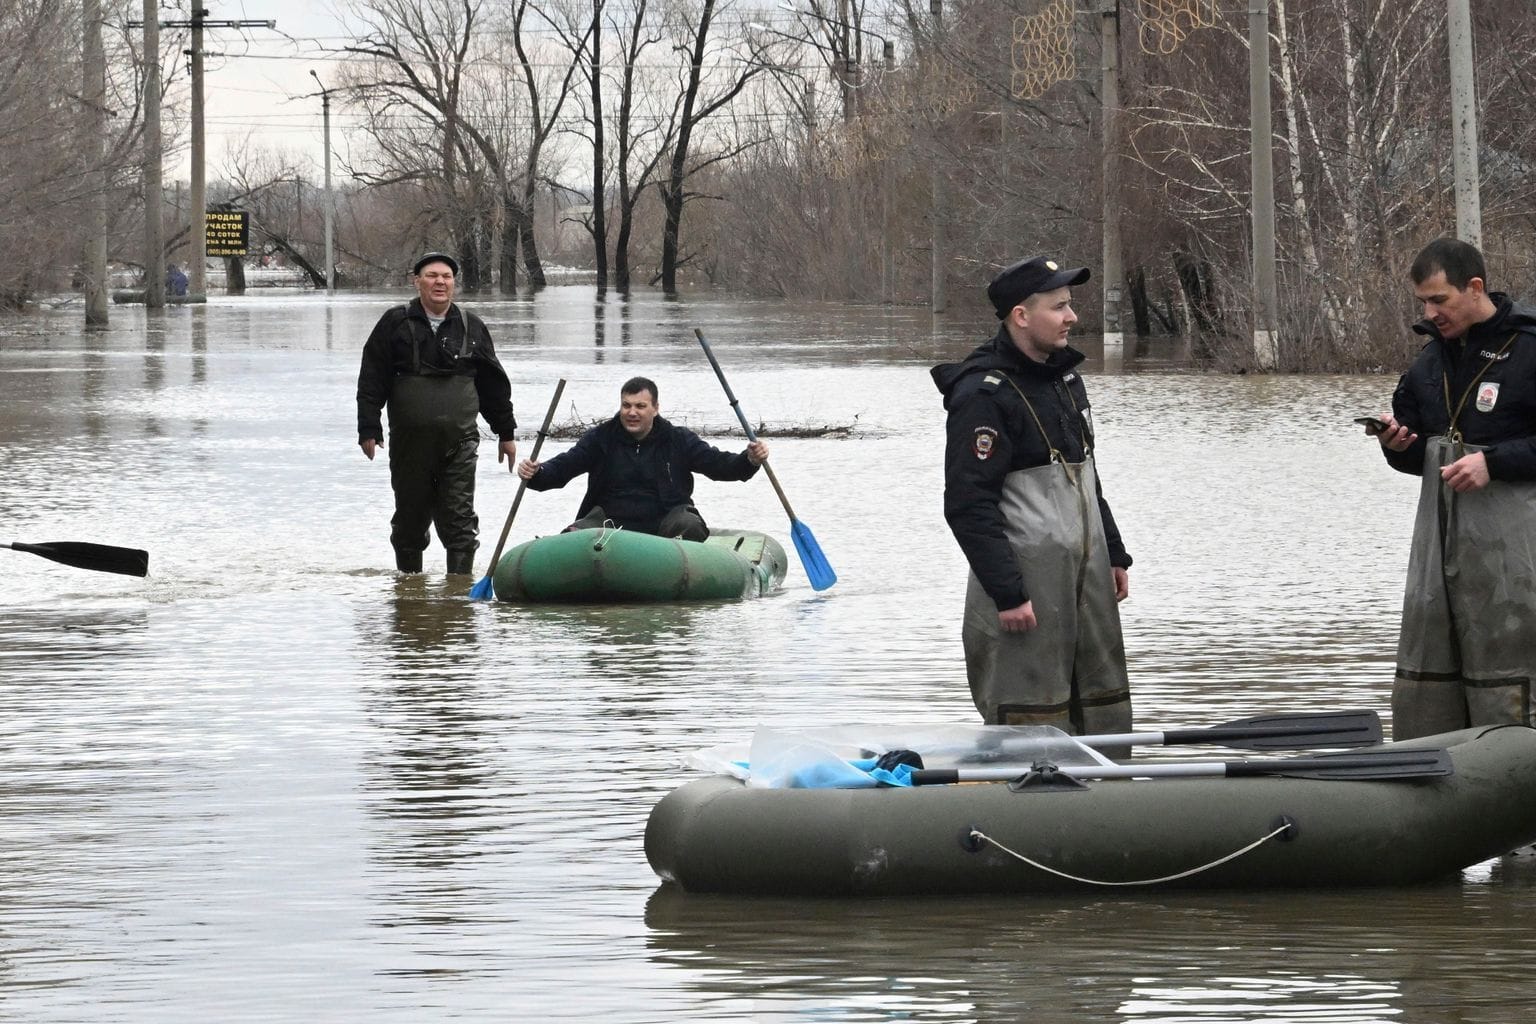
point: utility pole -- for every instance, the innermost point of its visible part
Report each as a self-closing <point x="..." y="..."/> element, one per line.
<point x="197" y="276"/>
<point x="1262" y="164"/>
<point x="1469" y="211"/>
<point x="154" y="193"/>
<point x="843" y="43"/>
<point x="940" y="258"/>
<point x="330" y="260"/>
<point x="93" y="90"/>
<point x="197" y="279"/>
<point x="1114" y="273"/>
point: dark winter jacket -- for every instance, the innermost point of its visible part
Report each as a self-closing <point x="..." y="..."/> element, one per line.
<point x="991" y="433"/>
<point x="388" y="354"/>
<point x="637" y="482"/>
<point x="1507" y="424"/>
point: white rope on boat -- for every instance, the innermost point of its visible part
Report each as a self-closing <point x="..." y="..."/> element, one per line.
<point x="977" y="834"/>
<point x="609" y="529"/>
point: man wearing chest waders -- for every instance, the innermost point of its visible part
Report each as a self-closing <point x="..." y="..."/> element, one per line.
<point x="1464" y="419"/>
<point x="432" y="364"/>
<point x="1021" y="494"/>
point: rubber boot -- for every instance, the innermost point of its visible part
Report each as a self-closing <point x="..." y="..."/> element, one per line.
<point x="461" y="563"/>
<point x="408" y="561"/>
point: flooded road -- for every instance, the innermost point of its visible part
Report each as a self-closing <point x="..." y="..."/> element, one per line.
<point x="275" y="781"/>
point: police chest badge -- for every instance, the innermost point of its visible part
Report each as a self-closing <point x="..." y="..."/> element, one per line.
<point x="1487" y="396"/>
<point x="985" y="438"/>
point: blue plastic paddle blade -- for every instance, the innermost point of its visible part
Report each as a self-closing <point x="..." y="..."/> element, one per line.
<point x="816" y="568"/>
<point x="484" y="590"/>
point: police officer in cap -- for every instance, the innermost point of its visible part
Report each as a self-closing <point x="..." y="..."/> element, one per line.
<point x="1021" y="495"/>
<point x="433" y="366"/>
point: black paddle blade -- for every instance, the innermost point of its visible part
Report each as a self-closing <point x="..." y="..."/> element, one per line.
<point x="1289" y="732"/>
<point x="1429" y="763"/>
<point x="96" y="557"/>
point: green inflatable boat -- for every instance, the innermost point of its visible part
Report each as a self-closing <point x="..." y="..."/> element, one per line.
<point x="623" y="566"/>
<point x="719" y="835"/>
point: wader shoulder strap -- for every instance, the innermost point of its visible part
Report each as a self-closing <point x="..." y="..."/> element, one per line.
<point x="1056" y="455"/>
<point x="1452" y="433"/>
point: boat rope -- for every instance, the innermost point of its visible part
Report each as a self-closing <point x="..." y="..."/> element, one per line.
<point x="977" y="835"/>
<point x="608" y="530"/>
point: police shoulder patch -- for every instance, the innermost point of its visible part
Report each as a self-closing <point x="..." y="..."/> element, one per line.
<point x="983" y="441"/>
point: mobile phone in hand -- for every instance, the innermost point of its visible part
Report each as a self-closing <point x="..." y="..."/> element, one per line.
<point x="1372" y="424"/>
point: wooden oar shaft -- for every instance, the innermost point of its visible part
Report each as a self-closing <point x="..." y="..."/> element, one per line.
<point x="742" y="418"/>
<point x="517" y="499"/>
<point x="783" y="498"/>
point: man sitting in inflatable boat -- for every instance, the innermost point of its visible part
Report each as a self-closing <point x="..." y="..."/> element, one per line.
<point x="640" y="469"/>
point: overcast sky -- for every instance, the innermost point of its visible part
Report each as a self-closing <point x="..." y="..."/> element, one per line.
<point x="261" y="87"/>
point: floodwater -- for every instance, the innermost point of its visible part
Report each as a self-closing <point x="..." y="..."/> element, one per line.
<point x="274" y="781"/>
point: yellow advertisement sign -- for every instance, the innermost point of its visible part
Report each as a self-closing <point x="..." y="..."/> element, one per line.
<point x="227" y="232"/>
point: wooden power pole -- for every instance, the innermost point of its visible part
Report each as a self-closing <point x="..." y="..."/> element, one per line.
<point x="154" y="191"/>
<point x="93" y="90"/>
<point x="197" y="274"/>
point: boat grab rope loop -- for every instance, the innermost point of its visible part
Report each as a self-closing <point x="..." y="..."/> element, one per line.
<point x="609" y="529"/>
<point x="976" y="835"/>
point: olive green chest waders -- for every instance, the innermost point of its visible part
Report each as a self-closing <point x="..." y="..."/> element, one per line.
<point x="1069" y="671"/>
<point x="432" y="442"/>
<point x="1467" y="652"/>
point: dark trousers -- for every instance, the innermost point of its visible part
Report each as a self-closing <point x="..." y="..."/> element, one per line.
<point x="682" y="521"/>
<point x="434" y="486"/>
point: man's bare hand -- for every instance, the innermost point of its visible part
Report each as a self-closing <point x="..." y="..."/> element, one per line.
<point x="1468" y="473"/>
<point x="1018" y="620"/>
<point x="1396" y="437"/>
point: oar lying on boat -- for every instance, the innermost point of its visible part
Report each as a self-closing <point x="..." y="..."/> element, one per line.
<point x="1266" y="732"/>
<point x="96" y="557"/>
<point x="1301" y="731"/>
<point x="1361" y="765"/>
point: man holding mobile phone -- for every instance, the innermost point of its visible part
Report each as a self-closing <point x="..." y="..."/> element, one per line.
<point x="1464" y="419"/>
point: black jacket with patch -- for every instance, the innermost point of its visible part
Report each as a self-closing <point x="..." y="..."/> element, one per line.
<point x="991" y="433"/>
<point x="387" y="355"/>
<point x="1499" y="351"/>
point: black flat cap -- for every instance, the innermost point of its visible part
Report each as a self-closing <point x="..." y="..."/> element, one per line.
<point x="1026" y="277"/>
<point x="436" y="257"/>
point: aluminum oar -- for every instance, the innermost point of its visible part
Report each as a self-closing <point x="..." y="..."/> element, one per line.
<point x="1265" y="732"/>
<point x="1359" y="765"/>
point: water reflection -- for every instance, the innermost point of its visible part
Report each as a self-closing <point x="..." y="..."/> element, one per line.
<point x="1343" y="958"/>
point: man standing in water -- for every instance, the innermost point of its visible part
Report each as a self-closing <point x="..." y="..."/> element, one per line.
<point x="1021" y="494"/>
<point x="640" y="469"/>
<point x="1464" y="419"/>
<point x="433" y="365"/>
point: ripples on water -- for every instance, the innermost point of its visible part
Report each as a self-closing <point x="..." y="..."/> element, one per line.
<point x="273" y="781"/>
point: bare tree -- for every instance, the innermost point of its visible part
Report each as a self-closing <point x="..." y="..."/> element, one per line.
<point x="714" y="76"/>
